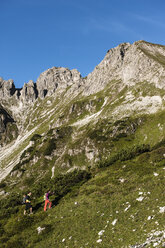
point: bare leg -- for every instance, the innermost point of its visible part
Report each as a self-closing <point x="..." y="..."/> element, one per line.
<point x="31" y="211"/>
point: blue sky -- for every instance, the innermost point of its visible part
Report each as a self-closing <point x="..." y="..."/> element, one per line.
<point x="38" y="34"/>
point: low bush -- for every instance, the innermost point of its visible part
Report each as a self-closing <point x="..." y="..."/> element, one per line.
<point x="97" y="135"/>
<point x="124" y="154"/>
<point x="1" y="230"/>
<point x="63" y="184"/>
<point x="10" y="202"/>
<point x="2" y="185"/>
<point x="35" y="137"/>
<point x="144" y="157"/>
<point x="157" y="155"/>
<point x="48" y="147"/>
<point x="28" y="151"/>
<point x="15" y="242"/>
<point x="64" y="132"/>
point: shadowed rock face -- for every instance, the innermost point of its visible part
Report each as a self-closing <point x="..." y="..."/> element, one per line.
<point x="4" y="117"/>
<point x="8" y="128"/>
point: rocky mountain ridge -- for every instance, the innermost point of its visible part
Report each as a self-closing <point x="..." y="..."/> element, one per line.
<point x="139" y="62"/>
<point x="46" y="85"/>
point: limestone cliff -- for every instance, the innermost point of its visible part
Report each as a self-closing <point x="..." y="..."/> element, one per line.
<point x="139" y="62"/>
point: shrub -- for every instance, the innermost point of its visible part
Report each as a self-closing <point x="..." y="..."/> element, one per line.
<point x="64" y="132"/>
<point x="29" y="180"/>
<point x="123" y="155"/>
<point x="1" y="230"/>
<point x="15" y="242"/>
<point x="29" y="150"/>
<point x="63" y="184"/>
<point x="48" y="147"/>
<point x="3" y="240"/>
<point x="144" y="157"/>
<point x="35" y="137"/>
<point x="157" y="155"/>
<point x="41" y="186"/>
<point x="11" y="201"/>
<point x="2" y="185"/>
<point x="97" y="135"/>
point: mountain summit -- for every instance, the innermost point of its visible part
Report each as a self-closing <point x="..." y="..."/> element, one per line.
<point x="139" y="62"/>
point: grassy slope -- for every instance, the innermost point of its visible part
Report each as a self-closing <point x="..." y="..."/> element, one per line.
<point x="102" y="199"/>
<point x="92" y="207"/>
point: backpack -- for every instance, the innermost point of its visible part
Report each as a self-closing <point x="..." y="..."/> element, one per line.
<point x="24" y="200"/>
<point x="44" y="196"/>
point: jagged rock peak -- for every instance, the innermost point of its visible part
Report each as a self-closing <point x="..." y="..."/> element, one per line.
<point x="129" y="63"/>
<point x="57" y="77"/>
<point x="29" y="92"/>
<point x="7" y="88"/>
<point x="46" y="85"/>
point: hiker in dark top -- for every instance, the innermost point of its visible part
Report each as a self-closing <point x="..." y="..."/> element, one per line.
<point x="28" y="205"/>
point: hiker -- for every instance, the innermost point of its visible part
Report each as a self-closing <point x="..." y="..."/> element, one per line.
<point x="28" y="205"/>
<point x="46" y="198"/>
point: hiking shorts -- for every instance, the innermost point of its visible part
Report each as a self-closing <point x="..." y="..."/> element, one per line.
<point x="28" y="206"/>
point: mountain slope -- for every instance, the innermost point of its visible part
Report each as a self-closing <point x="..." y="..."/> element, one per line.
<point x="123" y="87"/>
<point x="98" y="141"/>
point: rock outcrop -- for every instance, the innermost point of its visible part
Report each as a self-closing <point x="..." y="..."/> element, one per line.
<point x="57" y="78"/>
<point x="130" y="64"/>
<point x="7" y="88"/>
<point x="29" y="93"/>
<point x="47" y="83"/>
